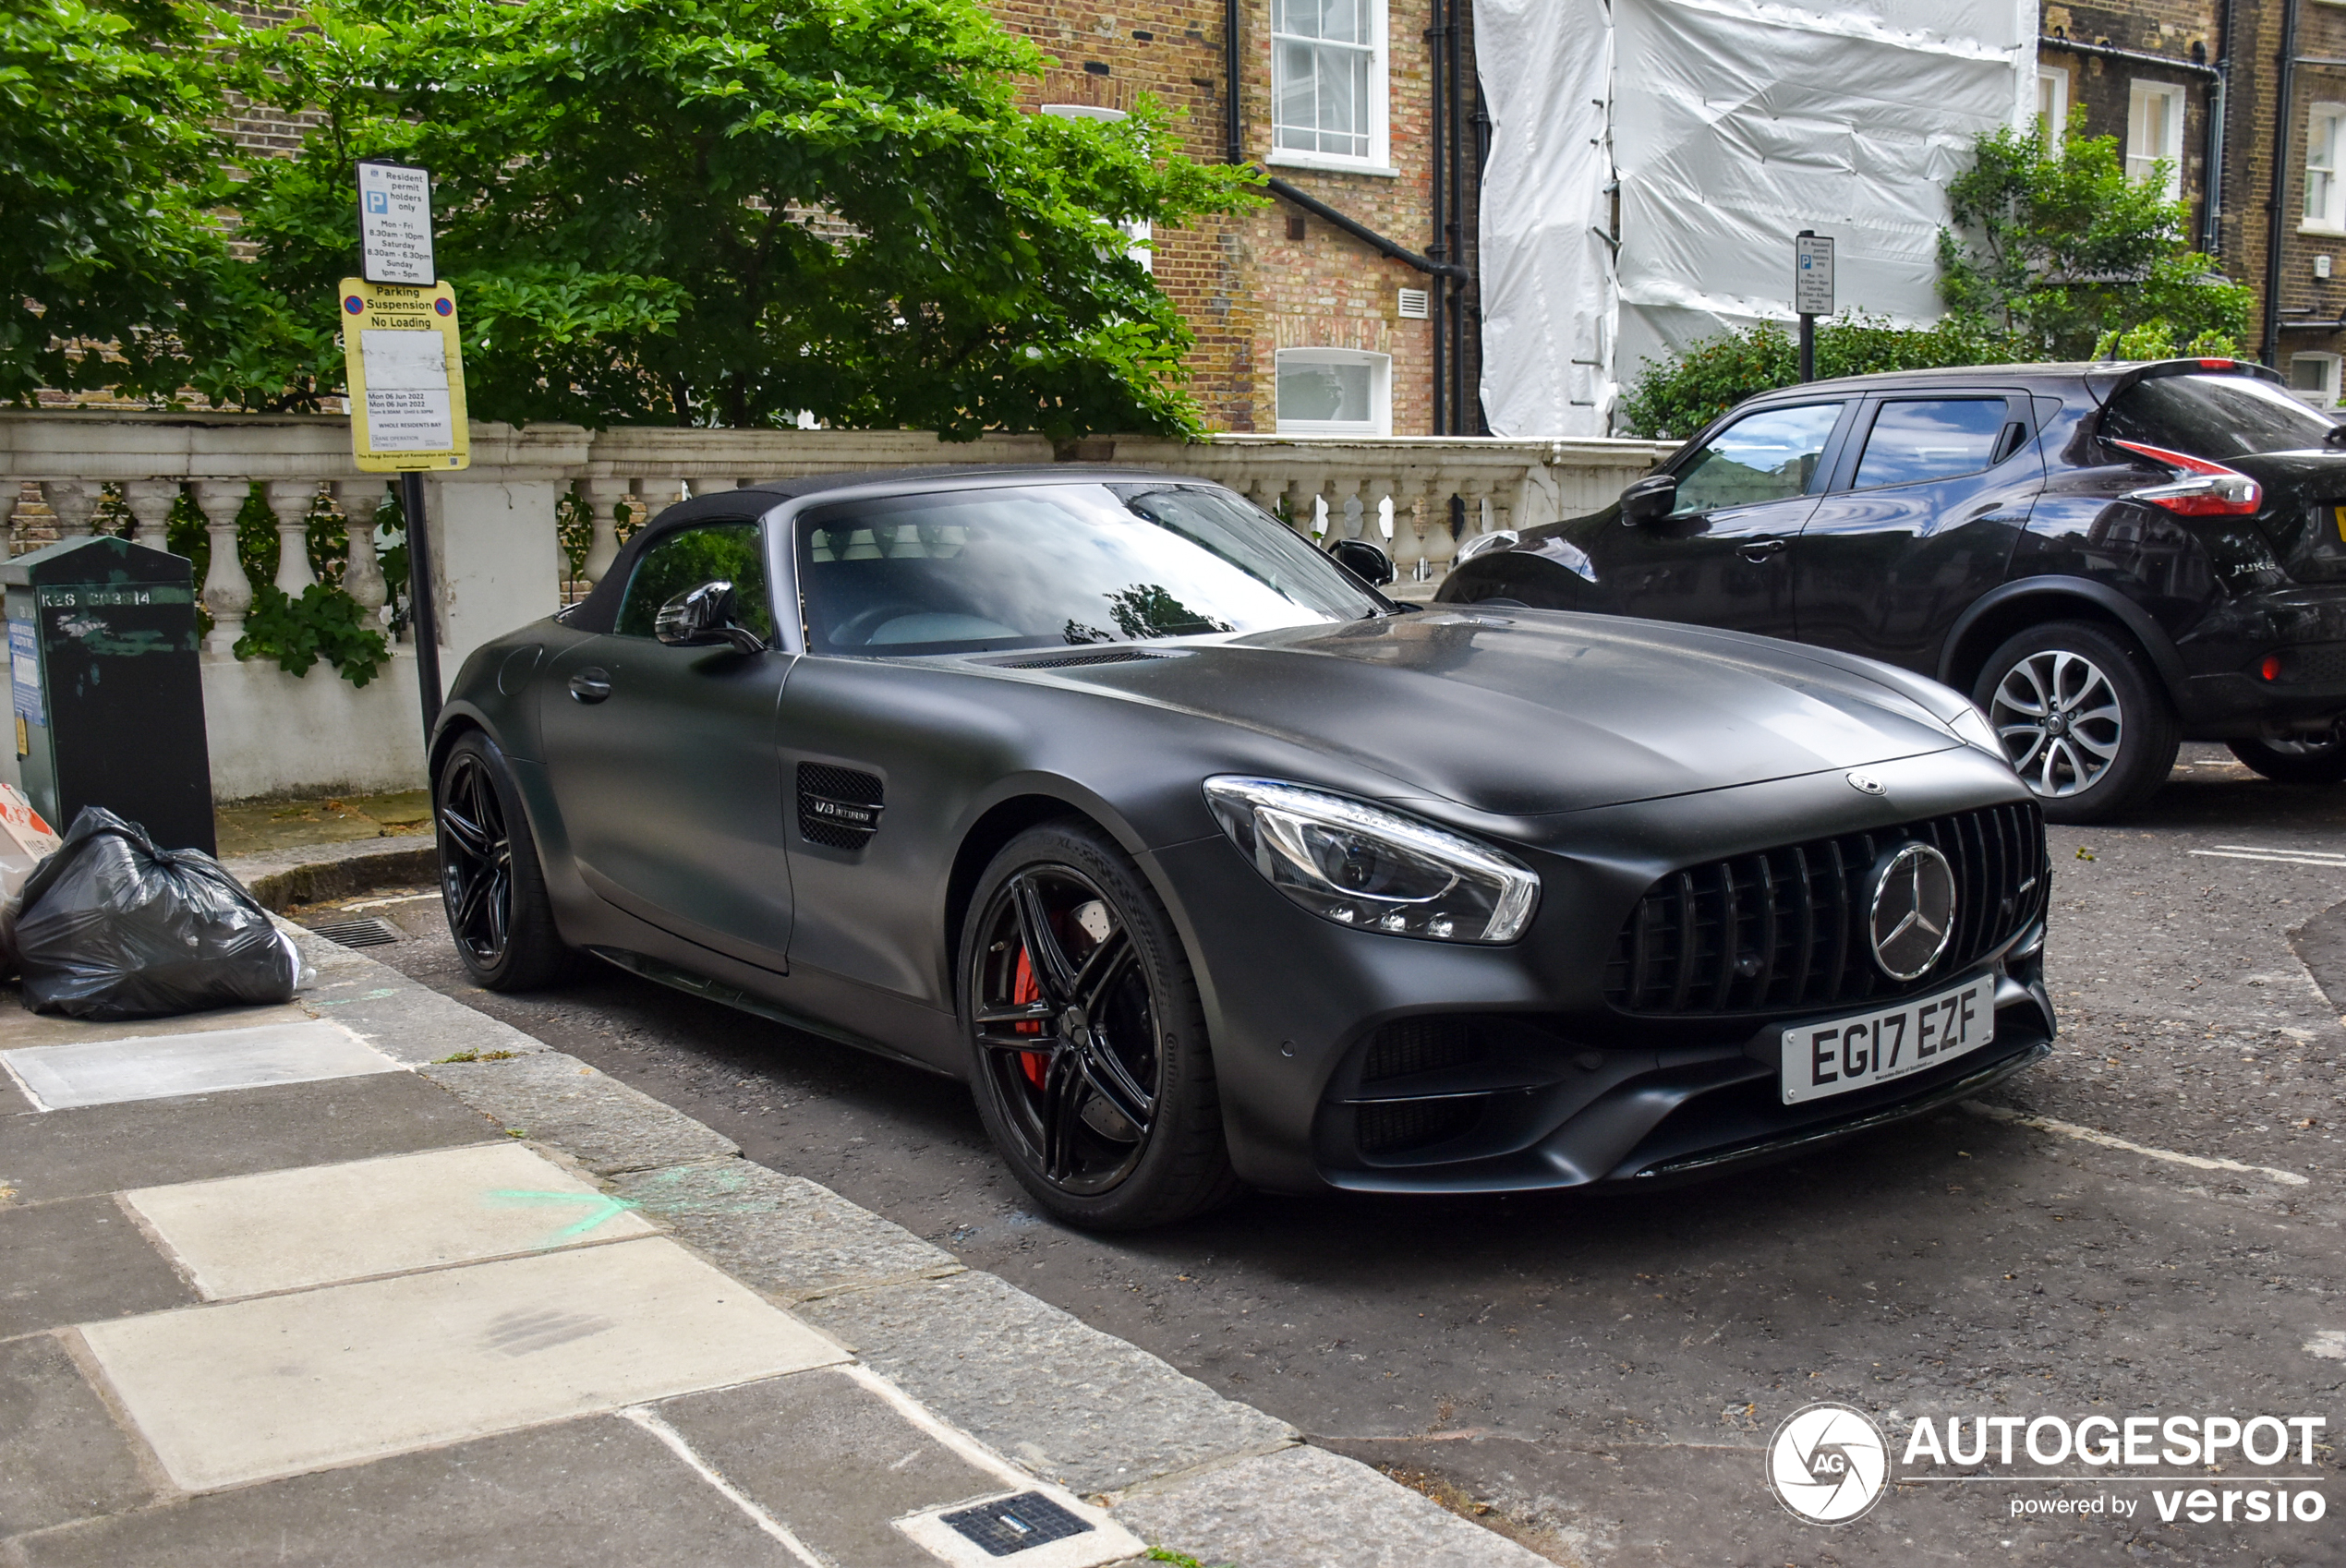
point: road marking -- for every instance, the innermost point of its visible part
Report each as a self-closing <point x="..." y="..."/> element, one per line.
<point x="2329" y="1344"/>
<point x="2286" y="857"/>
<point x="673" y="1441"/>
<point x="2086" y="1134"/>
<point x="379" y="903"/>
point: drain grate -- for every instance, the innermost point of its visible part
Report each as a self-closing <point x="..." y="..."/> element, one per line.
<point x="357" y="933"/>
<point x="1016" y="1523"/>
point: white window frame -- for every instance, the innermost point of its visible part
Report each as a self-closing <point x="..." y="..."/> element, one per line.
<point x="1378" y="160"/>
<point x="1139" y="233"/>
<point x="2052" y="104"/>
<point x="1380" y="422"/>
<point x="2140" y="158"/>
<point x="2324" y="212"/>
<point x="2327" y="396"/>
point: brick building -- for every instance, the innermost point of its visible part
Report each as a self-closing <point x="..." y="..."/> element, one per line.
<point x="1302" y="324"/>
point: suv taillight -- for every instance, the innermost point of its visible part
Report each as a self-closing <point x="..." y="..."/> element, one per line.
<point x="2204" y="488"/>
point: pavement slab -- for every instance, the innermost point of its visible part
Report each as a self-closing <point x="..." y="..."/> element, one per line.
<point x="158" y="1066"/>
<point x="1073" y="1404"/>
<point x="598" y="1120"/>
<point x="1308" y="1508"/>
<point x="591" y="1492"/>
<point x="26" y="1028"/>
<point x="61" y="1455"/>
<point x="146" y="1142"/>
<point x="78" y="1259"/>
<point x="327" y="1225"/>
<point x="833" y="1461"/>
<point x="256" y="1389"/>
<point x="789" y="1236"/>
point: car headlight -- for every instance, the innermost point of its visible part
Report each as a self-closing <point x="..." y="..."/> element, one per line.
<point x="1971" y="727"/>
<point x="1361" y="865"/>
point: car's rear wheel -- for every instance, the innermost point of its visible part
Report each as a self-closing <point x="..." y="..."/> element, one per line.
<point x="490" y="879"/>
<point x="1089" y="1056"/>
<point x="2315" y="759"/>
<point x="2081" y="717"/>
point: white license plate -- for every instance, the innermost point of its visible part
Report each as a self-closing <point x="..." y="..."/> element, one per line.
<point x="1857" y="1053"/>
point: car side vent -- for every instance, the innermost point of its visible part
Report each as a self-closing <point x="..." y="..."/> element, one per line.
<point x="1066" y="661"/>
<point x="838" y="807"/>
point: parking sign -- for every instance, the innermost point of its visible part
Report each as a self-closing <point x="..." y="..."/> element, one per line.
<point x="394" y="224"/>
<point x="1812" y="275"/>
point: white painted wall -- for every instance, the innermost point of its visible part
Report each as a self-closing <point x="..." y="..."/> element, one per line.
<point x="271" y="733"/>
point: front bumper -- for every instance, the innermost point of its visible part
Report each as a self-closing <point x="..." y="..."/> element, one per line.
<point x="1353" y="1060"/>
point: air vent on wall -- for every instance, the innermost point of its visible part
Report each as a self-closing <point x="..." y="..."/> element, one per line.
<point x="838" y="807"/>
<point x="1411" y="303"/>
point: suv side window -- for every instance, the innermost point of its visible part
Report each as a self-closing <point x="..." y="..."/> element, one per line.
<point x="1771" y="456"/>
<point x="1920" y="439"/>
<point x="733" y="552"/>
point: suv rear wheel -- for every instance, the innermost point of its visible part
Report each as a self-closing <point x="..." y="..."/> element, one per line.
<point x="2315" y="759"/>
<point x="2082" y="720"/>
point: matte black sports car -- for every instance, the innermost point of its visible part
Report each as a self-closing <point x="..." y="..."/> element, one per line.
<point x="1207" y="864"/>
<point x="2109" y="558"/>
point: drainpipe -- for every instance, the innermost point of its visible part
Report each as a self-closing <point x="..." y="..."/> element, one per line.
<point x="1233" y="125"/>
<point x="1455" y="239"/>
<point x="2284" y="118"/>
<point x="2218" y="113"/>
<point x="1439" y="313"/>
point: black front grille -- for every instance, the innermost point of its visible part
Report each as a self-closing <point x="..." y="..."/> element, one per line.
<point x="1784" y="929"/>
<point x="838" y="807"/>
<point x="1415" y="1045"/>
<point x="1392" y="1126"/>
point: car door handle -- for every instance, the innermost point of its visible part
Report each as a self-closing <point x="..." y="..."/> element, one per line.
<point x="1758" y="550"/>
<point x="590" y="685"/>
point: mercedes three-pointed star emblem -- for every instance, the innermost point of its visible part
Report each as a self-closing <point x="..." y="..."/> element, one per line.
<point x="1913" y="917"/>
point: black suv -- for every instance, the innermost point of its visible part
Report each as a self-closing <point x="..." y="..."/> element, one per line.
<point x="2110" y="557"/>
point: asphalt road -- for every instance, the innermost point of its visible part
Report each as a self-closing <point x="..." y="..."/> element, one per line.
<point x="1601" y="1375"/>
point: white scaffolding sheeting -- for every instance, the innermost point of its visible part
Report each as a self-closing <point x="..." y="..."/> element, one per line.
<point x="1730" y="126"/>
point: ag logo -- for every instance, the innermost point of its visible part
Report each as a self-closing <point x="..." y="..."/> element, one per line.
<point x="1827" y="1463"/>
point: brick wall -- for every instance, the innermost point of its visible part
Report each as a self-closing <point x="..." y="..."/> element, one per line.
<point x="2256" y="113"/>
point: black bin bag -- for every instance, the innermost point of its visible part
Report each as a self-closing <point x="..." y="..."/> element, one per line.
<point x="114" y="928"/>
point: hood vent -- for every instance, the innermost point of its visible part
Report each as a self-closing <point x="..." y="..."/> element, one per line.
<point x="838" y="807"/>
<point x="1070" y="661"/>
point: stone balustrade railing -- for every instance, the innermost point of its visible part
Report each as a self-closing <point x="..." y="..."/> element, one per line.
<point x="497" y="551"/>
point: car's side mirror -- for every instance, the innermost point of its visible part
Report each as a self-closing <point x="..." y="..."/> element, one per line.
<point x="1650" y="499"/>
<point x="703" y="616"/>
<point x="1367" y="562"/>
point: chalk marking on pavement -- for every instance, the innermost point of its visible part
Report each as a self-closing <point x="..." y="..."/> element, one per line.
<point x="605" y="1208"/>
<point x="2286" y="857"/>
<point x="650" y="1419"/>
<point x="2070" y="1129"/>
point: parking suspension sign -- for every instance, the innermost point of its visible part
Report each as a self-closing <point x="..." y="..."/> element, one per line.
<point x="406" y="370"/>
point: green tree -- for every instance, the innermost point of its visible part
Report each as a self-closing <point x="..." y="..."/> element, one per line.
<point x="2055" y="243"/>
<point x="720" y="211"/>
<point x="108" y="162"/>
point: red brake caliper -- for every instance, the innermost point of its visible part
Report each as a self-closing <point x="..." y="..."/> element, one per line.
<point x="1025" y="989"/>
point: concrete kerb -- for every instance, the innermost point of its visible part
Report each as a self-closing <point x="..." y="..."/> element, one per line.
<point x="307" y="874"/>
<point x="1181" y="1463"/>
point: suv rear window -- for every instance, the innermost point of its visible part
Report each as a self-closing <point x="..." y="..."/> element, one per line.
<point x="2214" y="417"/>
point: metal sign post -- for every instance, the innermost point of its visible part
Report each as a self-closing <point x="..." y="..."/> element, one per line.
<point x="1811" y="292"/>
<point x="404" y="363"/>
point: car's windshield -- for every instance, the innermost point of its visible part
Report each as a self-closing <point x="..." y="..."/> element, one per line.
<point x="2214" y="416"/>
<point x="1056" y="564"/>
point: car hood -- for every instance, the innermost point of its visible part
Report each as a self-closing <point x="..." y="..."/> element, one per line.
<point x="1528" y="712"/>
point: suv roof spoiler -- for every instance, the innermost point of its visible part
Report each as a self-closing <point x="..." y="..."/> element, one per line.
<point x="2107" y="383"/>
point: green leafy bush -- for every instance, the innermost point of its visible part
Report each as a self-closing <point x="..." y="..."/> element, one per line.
<point x="324" y="623"/>
<point x="1674" y="398"/>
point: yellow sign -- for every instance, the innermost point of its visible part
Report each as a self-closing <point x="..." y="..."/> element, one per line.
<point x="407" y="375"/>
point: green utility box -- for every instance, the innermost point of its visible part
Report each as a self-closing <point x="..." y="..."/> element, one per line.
<point x="109" y="695"/>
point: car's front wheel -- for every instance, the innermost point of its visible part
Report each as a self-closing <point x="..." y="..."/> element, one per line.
<point x="2315" y="759"/>
<point x="1089" y="1056"/>
<point x="489" y="881"/>
<point x="2081" y="718"/>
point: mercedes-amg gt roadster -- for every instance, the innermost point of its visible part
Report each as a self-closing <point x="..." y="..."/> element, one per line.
<point x="1206" y="864"/>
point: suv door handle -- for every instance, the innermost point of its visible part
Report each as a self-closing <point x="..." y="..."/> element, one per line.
<point x="1758" y="550"/>
<point x="590" y="685"/>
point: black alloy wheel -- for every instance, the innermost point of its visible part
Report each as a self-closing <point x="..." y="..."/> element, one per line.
<point x="2308" y="759"/>
<point x="2081" y="719"/>
<point x="1088" y="1042"/>
<point x="490" y="879"/>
